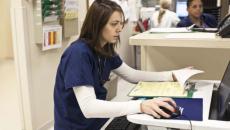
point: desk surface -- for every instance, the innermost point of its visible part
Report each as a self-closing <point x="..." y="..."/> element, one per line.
<point x="204" y="91"/>
<point x="209" y="40"/>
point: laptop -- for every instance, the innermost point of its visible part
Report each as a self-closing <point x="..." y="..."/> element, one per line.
<point x="220" y="104"/>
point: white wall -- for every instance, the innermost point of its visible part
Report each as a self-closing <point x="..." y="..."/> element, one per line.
<point x="43" y="72"/>
<point x="36" y="70"/>
<point x="6" y="49"/>
<point x="126" y="51"/>
<point x="212" y="61"/>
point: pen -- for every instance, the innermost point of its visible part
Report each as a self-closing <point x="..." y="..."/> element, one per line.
<point x="185" y="88"/>
<point x="190" y="27"/>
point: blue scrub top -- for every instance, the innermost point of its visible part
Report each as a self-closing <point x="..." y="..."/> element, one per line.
<point x="209" y="21"/>
<point x="80" y="66"/>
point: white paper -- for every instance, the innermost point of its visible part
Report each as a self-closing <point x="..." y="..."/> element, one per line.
<point x="71" y="9"/>
<point x="133" y="10"/>
<point x="125" y="8"/>
<point x="146" y="13"/>
<point x="183" y="75"/>
<point x="169" y="30"/>
<point x="71" y="4"/>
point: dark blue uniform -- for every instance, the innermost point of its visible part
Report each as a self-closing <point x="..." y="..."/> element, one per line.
<point x="80" y="66"/>
<point x="209" y="21"/>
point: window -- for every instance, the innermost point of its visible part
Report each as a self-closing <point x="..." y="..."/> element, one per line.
<point x="181" y="8"/>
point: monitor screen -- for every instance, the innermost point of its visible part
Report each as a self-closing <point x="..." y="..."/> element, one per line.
<point x="224" y="96"/>
<point x="225" y="80"/>
<point x="181" y="8"/>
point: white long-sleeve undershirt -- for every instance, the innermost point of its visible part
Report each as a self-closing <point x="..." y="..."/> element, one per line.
<point x="135" y="76"/>
<point x="95" y="108"/>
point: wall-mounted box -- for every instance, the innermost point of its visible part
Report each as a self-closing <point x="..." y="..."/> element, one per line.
<point x="58" y="16"/>
<point x="52" y="36"/>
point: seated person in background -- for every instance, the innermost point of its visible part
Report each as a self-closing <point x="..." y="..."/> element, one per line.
<point x="197" y="17"/>
<point x="164" y="18"/>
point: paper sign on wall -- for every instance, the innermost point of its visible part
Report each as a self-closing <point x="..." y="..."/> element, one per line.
<point x="71" y="9"/>
<point x="52" y="37"/>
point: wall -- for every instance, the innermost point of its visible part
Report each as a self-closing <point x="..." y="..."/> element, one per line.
<point x="36" y="70"/>
<point x="212" y="61"/>
<point x="224" y="8"/>
<point x="43" y="72"/>
<point x="126" y="51"/>
<point x="6" y="49"/>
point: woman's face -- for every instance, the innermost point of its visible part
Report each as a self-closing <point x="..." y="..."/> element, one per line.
<point x="195" y="9"/>
<point x="112" y="29"/>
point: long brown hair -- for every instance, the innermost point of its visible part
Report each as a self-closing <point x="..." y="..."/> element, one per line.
<point x="96" y="18"/>
<point x="165" y="4"/>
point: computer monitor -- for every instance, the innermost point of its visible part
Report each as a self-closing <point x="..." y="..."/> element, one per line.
<point x="181" y="8"/>
<point x="220" y="103"/>
<point x="226" y="78"/>
<point x="224" y="96"/>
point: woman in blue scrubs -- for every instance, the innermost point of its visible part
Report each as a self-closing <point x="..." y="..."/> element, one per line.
<point x="197" y="17"/>
<point x="79" y="93"/>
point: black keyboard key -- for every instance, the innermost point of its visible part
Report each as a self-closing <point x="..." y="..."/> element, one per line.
<point x="121" y="123"/>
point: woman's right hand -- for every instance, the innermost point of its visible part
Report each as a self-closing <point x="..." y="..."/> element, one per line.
<point x="152" y="106"/>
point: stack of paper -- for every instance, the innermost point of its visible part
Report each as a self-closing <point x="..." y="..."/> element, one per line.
<point x="182" y="75"/>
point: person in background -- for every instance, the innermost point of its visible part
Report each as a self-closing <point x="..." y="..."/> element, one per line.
<point x="197" y="17"/>
<point x="79" y="92"/>
<point x="164" y="18"/>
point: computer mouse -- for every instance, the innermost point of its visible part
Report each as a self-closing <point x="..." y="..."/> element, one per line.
<point x="175" y="114"/>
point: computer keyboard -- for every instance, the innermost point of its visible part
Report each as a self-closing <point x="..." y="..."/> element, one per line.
<point x="121" y="123"/>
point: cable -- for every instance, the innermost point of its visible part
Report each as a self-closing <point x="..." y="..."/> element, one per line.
<point x="188" y="120"/>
